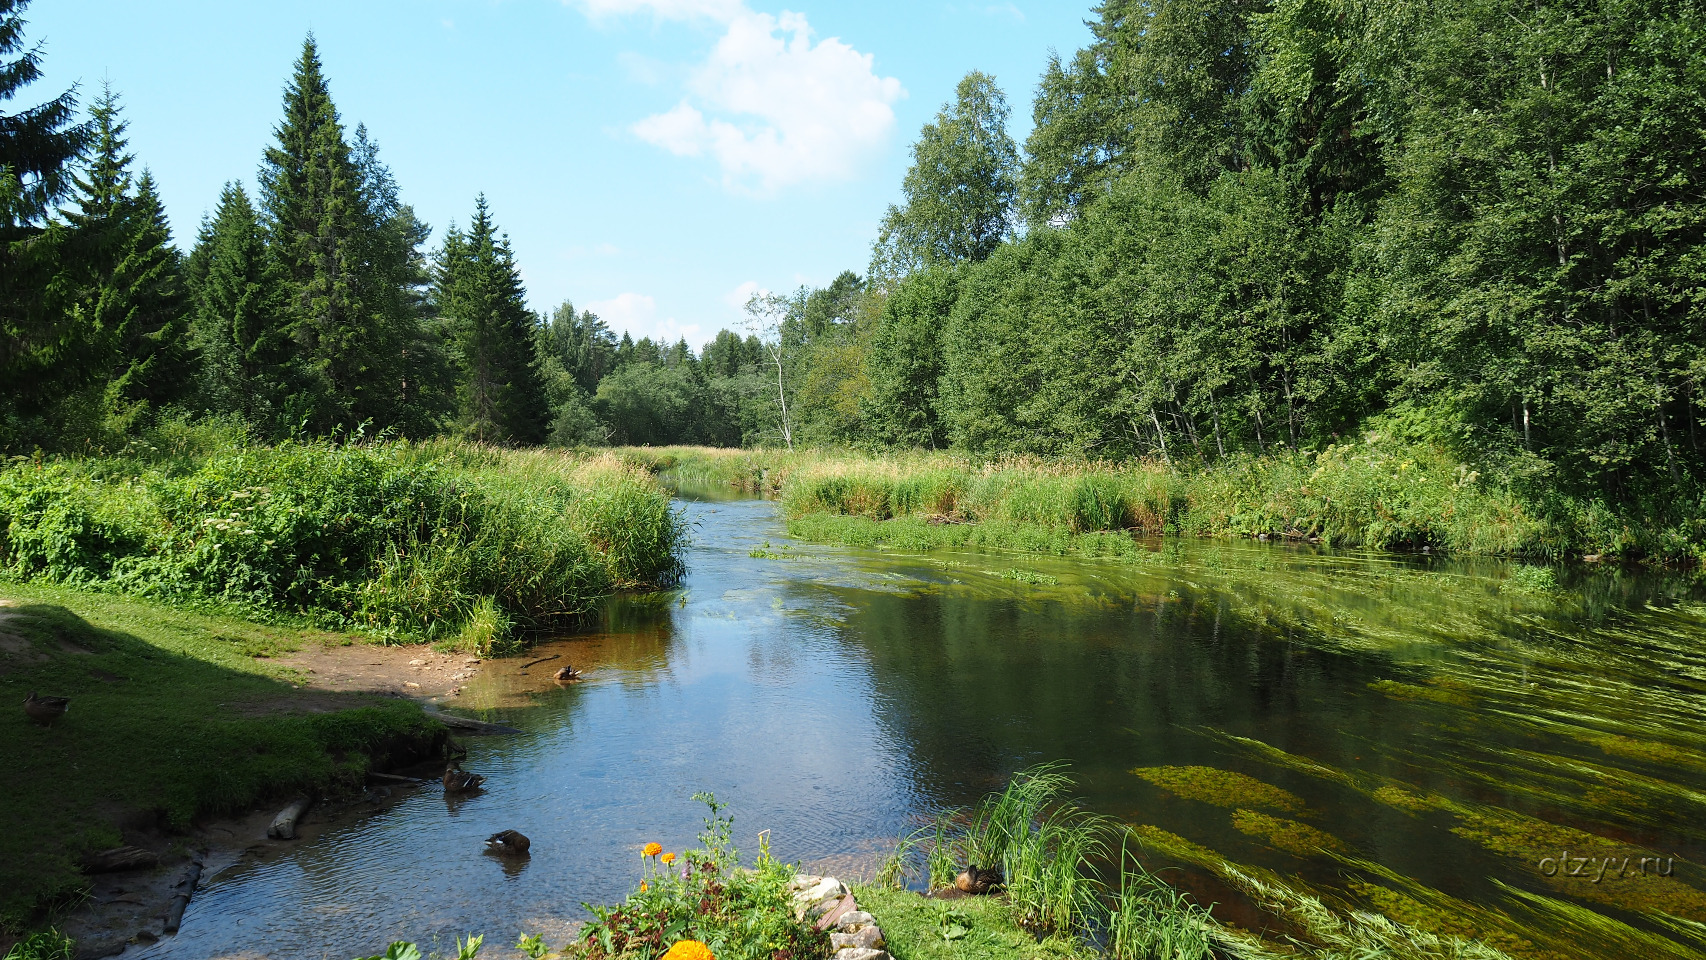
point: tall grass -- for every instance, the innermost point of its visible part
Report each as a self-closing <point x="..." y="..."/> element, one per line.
<point x="410" y="541"/>
<point x="1379" y="490"/>
<point x="1064" y="878"/>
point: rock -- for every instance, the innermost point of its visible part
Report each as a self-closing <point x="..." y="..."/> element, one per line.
<point x="843" y="906"/>
<point x="861" y="953"/>
<point x="812" y="911"/>
<point x="825" y="887"/>
<point x="853" y="920"/>
<point x="120" y="858"/>
<point x="868" y="937"/>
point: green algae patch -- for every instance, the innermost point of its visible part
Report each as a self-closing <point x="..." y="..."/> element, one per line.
<point x="1648" y="750"/>
<point x="1450" y="695"/>
<point x="1402" y="799"/>
<point x="1298" y="839"/>
<point x="1223" y="788"/>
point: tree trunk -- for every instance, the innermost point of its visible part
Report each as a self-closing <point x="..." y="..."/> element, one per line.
<point x="1162" y="434"/>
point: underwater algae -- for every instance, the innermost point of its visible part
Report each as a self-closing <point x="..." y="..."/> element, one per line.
<point x="1223" y="788"/>
<point x="1299" y="839"/>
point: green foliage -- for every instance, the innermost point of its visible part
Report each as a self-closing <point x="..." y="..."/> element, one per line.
<point x="398" y="950"/>
<point x="741" y="914"/>
<point x="533" y="945"/>
<point x="960" y="189"/>
<point x="43" y="945"/>
<point x="410" y="542"/>
<point x="500" y="396"/>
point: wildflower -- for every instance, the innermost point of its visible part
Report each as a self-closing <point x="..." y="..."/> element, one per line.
<point x="668" y="858"/>
<point x="643" y="886"/>
<point x="652" y="850"/>
<point x="689" y="950"/>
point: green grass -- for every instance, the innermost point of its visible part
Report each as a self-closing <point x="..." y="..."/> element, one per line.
<point x="175" y="715"/>
<point x="915" y="928"/>
<point x="410" y="542"/>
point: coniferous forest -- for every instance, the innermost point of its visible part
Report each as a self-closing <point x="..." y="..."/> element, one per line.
<point x="1238" y="229"/>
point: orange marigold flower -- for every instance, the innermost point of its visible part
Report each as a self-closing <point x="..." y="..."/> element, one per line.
<point x="689" y="950"/>
<point x="668" y="858"/>
<point x="652" y="850"/>
<point x="642" y="886"/>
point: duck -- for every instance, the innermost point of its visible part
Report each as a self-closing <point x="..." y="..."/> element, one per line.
<point x="975" y="881"/>
<point x="45" y="710"/>
<point x="456" y="780"/>
<point x="566" y="674"/>
<point x="509" y="842"/>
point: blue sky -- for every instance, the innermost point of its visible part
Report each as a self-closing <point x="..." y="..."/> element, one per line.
<point x="654" y="160"/>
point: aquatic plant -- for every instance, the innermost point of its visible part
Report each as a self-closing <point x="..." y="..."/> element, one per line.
<point x="1223" y="788"/>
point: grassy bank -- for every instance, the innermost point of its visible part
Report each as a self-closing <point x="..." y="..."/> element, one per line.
<point x="434" y="541"/>
<point x="175" y="715"/>
<point x="1378" y="491"/>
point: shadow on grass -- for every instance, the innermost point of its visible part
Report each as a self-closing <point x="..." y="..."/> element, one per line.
<point x="169" y="721"/>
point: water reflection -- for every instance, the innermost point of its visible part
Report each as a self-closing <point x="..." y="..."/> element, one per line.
<point x="1411" y="735"/>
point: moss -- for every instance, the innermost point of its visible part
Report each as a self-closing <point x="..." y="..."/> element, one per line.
<point x="1223" y="788"/>
<point x="1298" y="839"/>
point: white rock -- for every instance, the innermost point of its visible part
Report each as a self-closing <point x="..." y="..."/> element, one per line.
<point x="854" y="919"/>
<point x="826" y="887"/>
<point x="861" y="953"/>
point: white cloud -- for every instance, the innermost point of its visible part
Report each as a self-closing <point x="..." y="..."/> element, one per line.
<point x="738" y="297"/>
<point x="769" y="105"/>
<point x="636" y="315"/>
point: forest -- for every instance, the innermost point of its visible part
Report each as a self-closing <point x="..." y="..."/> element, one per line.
<point x="1238" y="229"/>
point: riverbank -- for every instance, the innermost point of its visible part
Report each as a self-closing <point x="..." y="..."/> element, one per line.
<point x="178" y="716"/>
<point x="1377" y="491"/>
<point x="442" y="541"/>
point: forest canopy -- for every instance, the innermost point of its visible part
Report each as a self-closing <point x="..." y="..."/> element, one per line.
<point x="1238" y="228"/>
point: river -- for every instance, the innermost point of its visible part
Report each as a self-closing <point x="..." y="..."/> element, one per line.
<point x="1440" y="740"/>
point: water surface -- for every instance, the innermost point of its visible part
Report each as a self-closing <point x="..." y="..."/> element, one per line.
<point x="1406" y="734"/>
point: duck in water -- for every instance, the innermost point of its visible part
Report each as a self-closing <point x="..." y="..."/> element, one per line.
<point x="509" y="842"/>
<point x="567" y="674"/>
<point x="45" y="710"/>
<point x="976" y="882"/>
<point x="456" y="780"/>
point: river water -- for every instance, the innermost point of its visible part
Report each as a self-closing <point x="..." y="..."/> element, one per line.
<point x="1443" y="741"/>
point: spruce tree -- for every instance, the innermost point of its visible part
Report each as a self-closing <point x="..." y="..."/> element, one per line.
<point x="37" y="147"/>
<point x="311" y="193"/>
<point x="241" y="321"/>
<point x="500" y="397"/>
<point x="128" y="302"/>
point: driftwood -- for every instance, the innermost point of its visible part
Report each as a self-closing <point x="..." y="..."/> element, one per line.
<point x="471" y="726"/>
<point x="284" y="825"/>
<point x="120" y="858"/>
<point x="535" y="663"/>
<point x="175" y="913"/>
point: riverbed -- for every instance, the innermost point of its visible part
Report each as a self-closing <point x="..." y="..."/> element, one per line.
<point x="1439" y="740"/>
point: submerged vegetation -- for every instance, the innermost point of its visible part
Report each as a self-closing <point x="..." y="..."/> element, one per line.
<point x="441" y="541"/>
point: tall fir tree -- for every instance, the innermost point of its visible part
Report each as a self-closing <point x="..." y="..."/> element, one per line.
<point x="318" y="226"/>
<point x="500" y="396"/>
<point x="38" y="145"/>
<point x="241" y="320"/>
<point x="129" y="296"/>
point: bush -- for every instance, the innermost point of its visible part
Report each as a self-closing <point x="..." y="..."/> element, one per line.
<point x="409" y="541"/>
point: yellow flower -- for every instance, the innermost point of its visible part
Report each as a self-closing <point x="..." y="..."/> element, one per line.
<point x="668" y="858"/>
<point x="642" y="886"/>
<point x="652" y="850"/>
<point x="689" y="950"/>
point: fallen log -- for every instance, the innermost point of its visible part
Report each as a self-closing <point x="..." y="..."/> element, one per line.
<point x="535" y="663"/>
<point x="120" y="858"/>
<point x="471" y="726"/>
<point x="175" y="913"/>
<point x="284" y="825"/>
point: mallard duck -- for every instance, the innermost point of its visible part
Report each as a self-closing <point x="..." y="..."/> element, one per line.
<point x="45" y="710"/>
<point x="456" y="780"/>
<point x="975" y="881"/>
<point x="567" y="674"/>
<point x="508" y="842"/>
